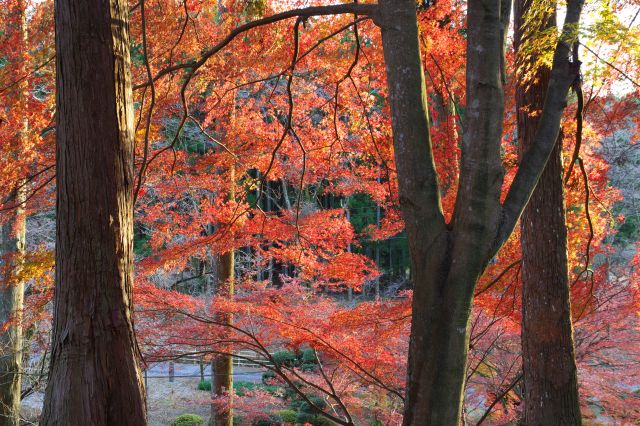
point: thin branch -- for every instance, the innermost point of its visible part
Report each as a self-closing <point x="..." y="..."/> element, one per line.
<point x="577" y="88"/>
<point x="147" y="128"/>
<point x="585" y="178"/>
<point x="499" y="397"/>
<point x="498" y="278"/>
<point x="307" y="12"/>
<point x="622" y="73"/>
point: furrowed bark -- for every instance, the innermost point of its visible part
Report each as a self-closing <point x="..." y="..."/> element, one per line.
<point x="550" y="379"/>
<point x="94" y="376"/>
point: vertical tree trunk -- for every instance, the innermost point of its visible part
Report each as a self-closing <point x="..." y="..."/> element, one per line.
<point x="448" y="259"/>
<point x="550" y="381"/>
<point x="94" y="376"/>
<point x="442" y="295"/>
<point x="222" y="365"/>
<point x="12" y="249"/>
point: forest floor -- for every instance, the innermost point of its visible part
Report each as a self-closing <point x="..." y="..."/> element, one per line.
<point x="166" y="400"/>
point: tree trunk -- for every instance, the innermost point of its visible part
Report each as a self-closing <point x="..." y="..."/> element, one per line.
<point x="12" y="249"/>
<point x="550" y="379"/>
<point x="448" y="259"/>
<point x="222" y="365"/>
<point x="94" y="376"/>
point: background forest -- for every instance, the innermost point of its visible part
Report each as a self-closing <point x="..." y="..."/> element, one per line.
<point x="276" y="243"/>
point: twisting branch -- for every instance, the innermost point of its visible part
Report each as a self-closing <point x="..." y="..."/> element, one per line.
<point x="147" y="128"/>
<point x="587" y="261"/>
<point x="296" y="36"/>
<point x="193" y="66"/>
<point x="307" y="12"/>
<point x="577" y="88"/>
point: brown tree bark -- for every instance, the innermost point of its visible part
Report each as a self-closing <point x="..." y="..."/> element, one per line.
<point x="549" y="367"/>
<point x="448" y="259"/>
<point x="12" y="246"/>
<point x="94" y="376"/>
<point x="222" y="365"/>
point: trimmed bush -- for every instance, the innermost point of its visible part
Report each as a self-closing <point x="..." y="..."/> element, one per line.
<point x="303" y="418"/>
<point x="323" y="421"/>
<point x="287" y="416"/>
<point x="188" y="420"/>
<point x="240" y="387"/>
<point x="268" y="376"/>
<point x="309" y="356"/>
<point x="317" y="401"/>
<point x="285" y="357"/>
<point x="204" y="385"/>
<point x="309" y="367"/>
<point x="271" y="421"/>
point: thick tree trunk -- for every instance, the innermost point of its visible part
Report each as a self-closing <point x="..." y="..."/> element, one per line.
<point x="222" y="365"/>
<point x="550" y="380"/>
<point x="94" y="376"/>
<point x="12" y="245"/>
<point x="446" y="260"/>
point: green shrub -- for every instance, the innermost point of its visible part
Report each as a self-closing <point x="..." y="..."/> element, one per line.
<point x="309" y="367"/>
<point x="317" y="401"/>
<point x="287" y="416"/>
<point x="272" y="389"/>
<point x="268" y="376"/>
<point x="271" y="421"/>
<point x="285" y="357"/>
<point x="309" y="356"/>
<point x="303" y="417"/>
<point x="204" y="385"/>
<point x="240" y="387"/>
<point x="188" y="420"/>
<point x="323" y="421"/>
<point x="291" y="395"/>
